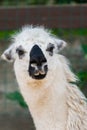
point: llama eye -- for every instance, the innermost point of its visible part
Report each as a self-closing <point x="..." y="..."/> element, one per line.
<point x="20" y="51"/>
<point x="50" y="48"/>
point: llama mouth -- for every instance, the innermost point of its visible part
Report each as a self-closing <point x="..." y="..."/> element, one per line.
<point x="39" y="77"/>
<point x="38" y="72"/>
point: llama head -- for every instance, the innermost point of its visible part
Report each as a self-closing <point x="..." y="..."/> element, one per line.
<point x="34" y="52"/>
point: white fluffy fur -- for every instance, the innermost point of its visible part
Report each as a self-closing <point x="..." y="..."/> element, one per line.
<point x="54" y="102"/>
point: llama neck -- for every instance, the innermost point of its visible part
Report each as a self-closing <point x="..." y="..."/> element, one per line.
<point x="47" y="106"/>
<point x="50" y="113"/>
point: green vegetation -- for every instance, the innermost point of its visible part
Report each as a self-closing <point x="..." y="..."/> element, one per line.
<point x="83" y="78"/>
<point x="16" y="96"/>
<point x="84" y="47"/>
<point x="70" y="32"/>
<point x="83" y="73"/>
<point x="5" y="34"/>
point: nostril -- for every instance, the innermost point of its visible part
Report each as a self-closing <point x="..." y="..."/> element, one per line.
<point x="39" y="61"/>
<point x="45" y="68"/>
<point x="44" y="64"/>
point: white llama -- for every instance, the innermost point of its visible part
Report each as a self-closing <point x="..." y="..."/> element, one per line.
<point x="45" y="80"/>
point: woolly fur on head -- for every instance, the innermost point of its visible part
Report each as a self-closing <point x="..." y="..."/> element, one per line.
<point x="54" y="102"/>
<point x="33" y="35"/>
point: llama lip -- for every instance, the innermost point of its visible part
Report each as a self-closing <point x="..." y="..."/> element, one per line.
<point x="39" y="77"/>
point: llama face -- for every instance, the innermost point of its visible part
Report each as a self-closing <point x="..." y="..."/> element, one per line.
<point x="33" y="60"/>
<point x="34" y="56"/>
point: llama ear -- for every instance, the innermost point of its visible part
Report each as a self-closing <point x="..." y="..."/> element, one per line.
<point x="7" y="55"/>
<point x="59" y="44"/>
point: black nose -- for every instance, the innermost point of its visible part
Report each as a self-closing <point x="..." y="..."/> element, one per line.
<point x="38" y="64"/>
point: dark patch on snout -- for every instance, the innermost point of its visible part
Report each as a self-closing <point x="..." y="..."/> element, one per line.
<point x="38" y="63"/>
